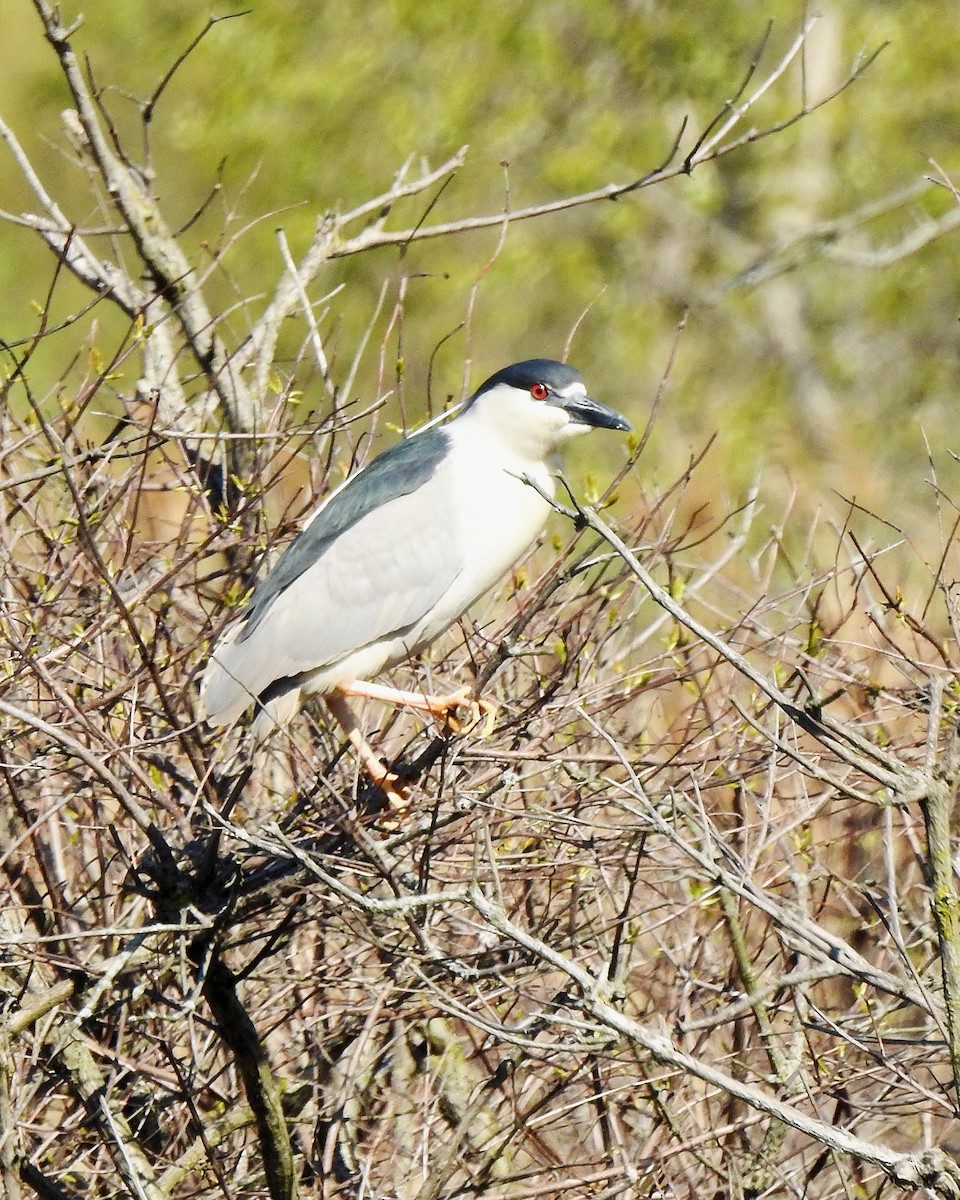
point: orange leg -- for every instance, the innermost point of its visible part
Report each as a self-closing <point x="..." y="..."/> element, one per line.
<point x="385" y="779"/>
<point x="437" y="706"/>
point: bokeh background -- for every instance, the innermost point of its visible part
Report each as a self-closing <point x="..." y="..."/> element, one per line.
<point x="820" y="351"/>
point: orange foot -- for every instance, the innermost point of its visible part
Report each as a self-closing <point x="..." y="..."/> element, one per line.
<point x="441" y="707"/>
<point x="396" y="792"/>
<point x="485" y="710"/>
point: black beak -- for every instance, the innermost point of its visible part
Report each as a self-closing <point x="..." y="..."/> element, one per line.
<point x="584" y="410"/>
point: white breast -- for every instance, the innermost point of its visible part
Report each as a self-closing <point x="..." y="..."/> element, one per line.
<point x="499" y="515"/>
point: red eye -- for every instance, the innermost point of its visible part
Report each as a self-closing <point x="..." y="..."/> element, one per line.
<point x="539" y="391"/>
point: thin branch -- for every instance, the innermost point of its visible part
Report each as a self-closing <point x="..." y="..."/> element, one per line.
<point x="713" y="149"/>
<point x="60" y="736"/>
<point x="171" y="272"/>
<point x="932" y="1168"/>
<point x="938" y="807"/>
<point x="148" y="108"/>
<point x="908" y="783"/>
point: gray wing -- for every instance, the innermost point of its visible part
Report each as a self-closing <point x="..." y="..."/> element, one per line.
<point x="374" y="580"/>
<point x="404" y="468"/>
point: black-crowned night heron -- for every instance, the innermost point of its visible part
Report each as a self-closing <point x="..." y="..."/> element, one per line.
<point x="391" y="559"/>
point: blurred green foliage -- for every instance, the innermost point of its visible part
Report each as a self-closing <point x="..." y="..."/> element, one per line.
<point x="828" y="376"/>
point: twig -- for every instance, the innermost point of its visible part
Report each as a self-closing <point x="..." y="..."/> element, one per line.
<point x="132" y="1163"/>
<point x="78" y="750"/>
<point x="907" y="783"/>
<point x="932" y="1168"/>
<point x="725" y="870"/>
<point x="937" y="807"/>
<point x="172" y="275"/>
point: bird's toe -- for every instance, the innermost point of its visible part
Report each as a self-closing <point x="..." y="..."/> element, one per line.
<point x="476" y="709"/>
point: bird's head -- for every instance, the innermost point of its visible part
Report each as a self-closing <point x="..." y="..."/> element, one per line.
<point x="542" y="403"/>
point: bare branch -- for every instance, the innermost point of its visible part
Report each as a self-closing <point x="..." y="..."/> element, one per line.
<point x="934" y="1169"/>
<point x="172" y="275"/>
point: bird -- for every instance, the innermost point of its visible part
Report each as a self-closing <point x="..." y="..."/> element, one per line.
<point x="393" y="557"/>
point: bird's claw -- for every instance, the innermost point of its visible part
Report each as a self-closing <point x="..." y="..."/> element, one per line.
<point x="396" y="792"/>
<point x="478" y="709"/>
